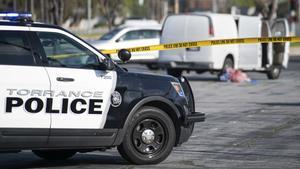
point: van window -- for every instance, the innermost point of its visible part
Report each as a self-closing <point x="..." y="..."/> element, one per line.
<point x="15" y="49"/>
<point x="111" y="34"/>
<point x="151" y="34"/>
<point x="278" y="29"/>
<point x="132" y="35"/>
<point x="141" y="34"/>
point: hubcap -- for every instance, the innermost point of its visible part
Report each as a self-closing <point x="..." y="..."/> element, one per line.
<point x="228" y="64"/>
<point x="276" y="71"/>
<point x="148" y="136"/>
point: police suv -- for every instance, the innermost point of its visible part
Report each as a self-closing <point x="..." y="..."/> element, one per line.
<point x="60" y="96"/>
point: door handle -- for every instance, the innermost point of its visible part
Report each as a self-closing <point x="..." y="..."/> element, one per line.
<point x="64" y="79"/>
<point x="193" y="49"/>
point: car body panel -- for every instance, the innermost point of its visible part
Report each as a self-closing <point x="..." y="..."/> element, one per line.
<point x="54" y="126"/>
<point x="116" y="43"/>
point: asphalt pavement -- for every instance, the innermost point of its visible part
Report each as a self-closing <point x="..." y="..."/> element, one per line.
<point x="248" y="125"/>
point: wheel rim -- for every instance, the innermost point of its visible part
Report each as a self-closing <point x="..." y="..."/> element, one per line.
<point x="276" y="71"/>
<point x="149" y="137"/>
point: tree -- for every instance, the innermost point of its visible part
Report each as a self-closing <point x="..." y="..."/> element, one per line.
<point x="110" y="10"/>
<point x="56" y="11"/>
<point x="268" y="8"/>
<point x="135" y="9"/>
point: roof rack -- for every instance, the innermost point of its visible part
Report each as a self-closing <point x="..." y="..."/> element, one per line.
<point x="18" y="17"/>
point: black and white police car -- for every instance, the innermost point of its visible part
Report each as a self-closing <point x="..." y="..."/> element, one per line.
<point x="60" y="96"/>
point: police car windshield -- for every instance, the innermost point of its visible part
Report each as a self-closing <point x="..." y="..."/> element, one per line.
<point x="110" y="34"/>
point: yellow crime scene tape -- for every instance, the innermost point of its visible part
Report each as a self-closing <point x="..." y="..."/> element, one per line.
<point x="292" y="39"/>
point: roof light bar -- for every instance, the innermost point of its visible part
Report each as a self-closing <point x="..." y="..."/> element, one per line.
<point x="13" y="16"/>
<point x="9" y="14"/>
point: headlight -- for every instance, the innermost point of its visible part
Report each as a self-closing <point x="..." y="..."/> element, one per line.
<point x="178" y="88"/>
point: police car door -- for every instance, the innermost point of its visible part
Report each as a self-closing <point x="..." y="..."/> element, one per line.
<point x="80" y="94"/>
<point x="23" y="120"/>
<point x="250" y="54"/>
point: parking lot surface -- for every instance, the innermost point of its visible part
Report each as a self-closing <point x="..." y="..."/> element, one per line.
<point x="248" y="125"/>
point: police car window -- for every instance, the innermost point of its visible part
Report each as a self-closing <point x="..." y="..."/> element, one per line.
<point x="65" y="52"/>
<point x="15" y="49"/>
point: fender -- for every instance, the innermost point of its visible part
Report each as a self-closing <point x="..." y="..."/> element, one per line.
<point x="141" y="103"/>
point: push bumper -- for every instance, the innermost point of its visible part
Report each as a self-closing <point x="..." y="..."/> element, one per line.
<point x="187" y="129"/>
<point x="195" y="117"/>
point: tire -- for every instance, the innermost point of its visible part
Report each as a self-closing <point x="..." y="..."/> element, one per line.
<point x="200" y="71"/>
<point x="152" y="66"/>
<point x="174" y="72"/>
<point x="274" y="72"/>
<point x="138" y="146"/>
<point x="54" y="154"/>
<point x="228" y="63"/>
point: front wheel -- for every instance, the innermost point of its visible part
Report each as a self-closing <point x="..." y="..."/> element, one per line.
<point x="54" y="154"/>
<point x="274" y="72"/>
<point x="150" y="137"/>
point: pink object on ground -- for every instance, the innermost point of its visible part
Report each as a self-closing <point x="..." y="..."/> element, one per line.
<point x="237" y="76"/>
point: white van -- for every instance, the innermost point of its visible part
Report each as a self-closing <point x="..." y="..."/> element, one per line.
<point x="269" y="58"/>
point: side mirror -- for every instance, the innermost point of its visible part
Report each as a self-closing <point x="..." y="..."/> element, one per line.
<point x="109" y="64"/>
<point x="124" y="55"/>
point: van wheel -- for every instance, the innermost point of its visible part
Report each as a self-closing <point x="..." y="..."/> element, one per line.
<point x="228" y="63"/>
<point x="150" y="137"/>
<point x="274" y="72"/>
<point x="200" y="71"/>
<point x="152" y="66"/>
<point x="174" y="72"/>
<point x="54" y="154"/>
